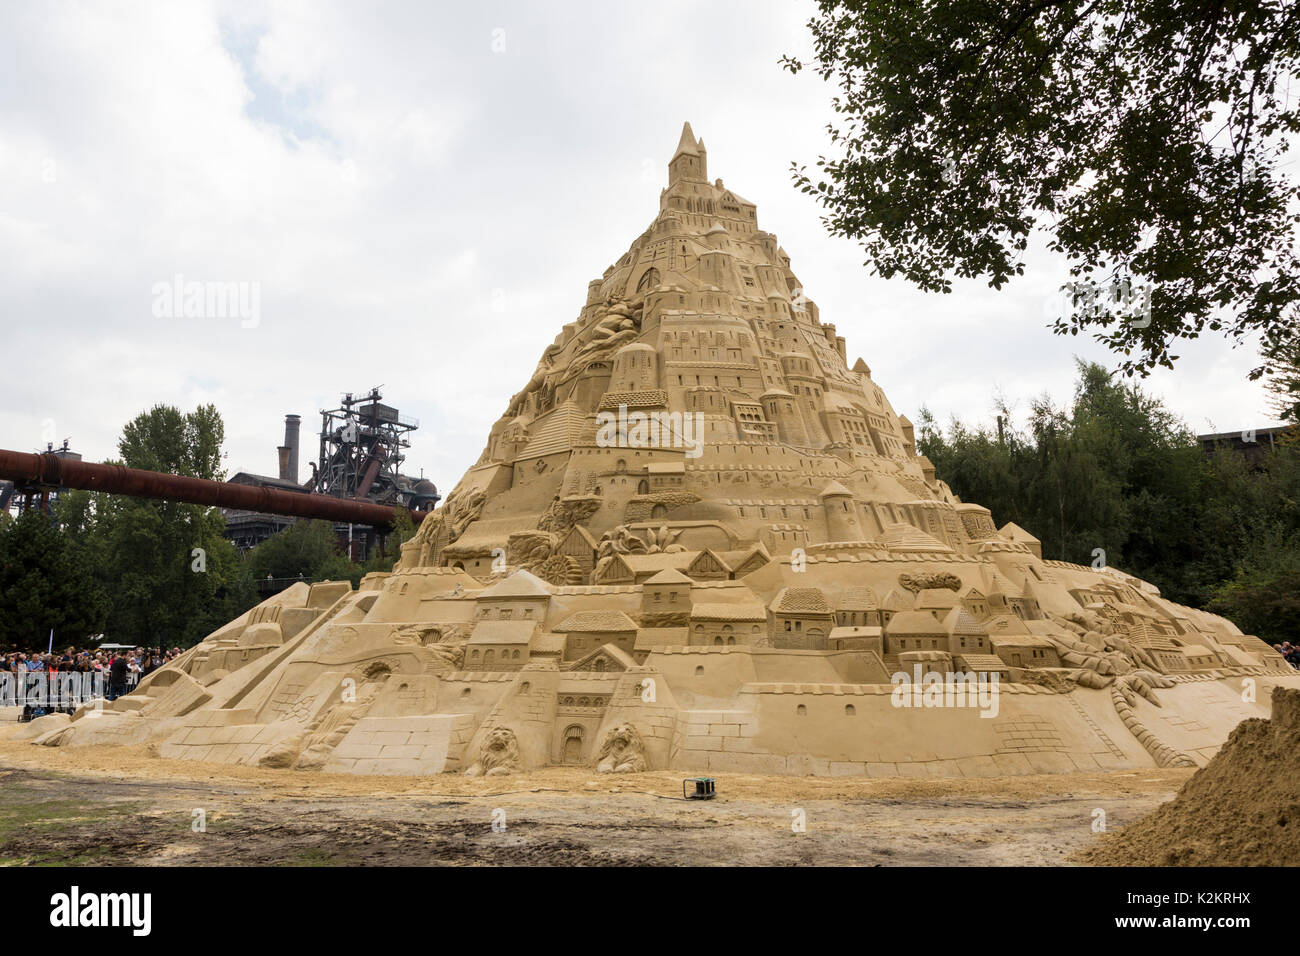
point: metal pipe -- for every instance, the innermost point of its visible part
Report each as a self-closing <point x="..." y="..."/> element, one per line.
<point x="48" y="470"/>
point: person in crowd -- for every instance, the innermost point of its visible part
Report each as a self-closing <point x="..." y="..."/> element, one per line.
<point x="153" y="661"/>
<point x="117" y="674"/>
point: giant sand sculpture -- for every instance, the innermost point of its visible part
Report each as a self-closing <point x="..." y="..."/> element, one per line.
<point x="699" y="538"/>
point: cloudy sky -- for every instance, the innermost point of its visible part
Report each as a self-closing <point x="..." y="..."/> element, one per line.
<point x="420" y="195"/>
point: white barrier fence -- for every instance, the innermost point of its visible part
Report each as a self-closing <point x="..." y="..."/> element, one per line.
<point x="54" y="693"/>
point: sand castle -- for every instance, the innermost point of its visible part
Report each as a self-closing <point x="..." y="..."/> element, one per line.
<point x="700" y="538"/>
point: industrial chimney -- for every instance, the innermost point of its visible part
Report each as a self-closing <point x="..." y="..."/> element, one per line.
<point x="290" y="470"/>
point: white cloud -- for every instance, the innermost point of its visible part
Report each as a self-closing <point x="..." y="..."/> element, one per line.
<point x="423" y="212"/>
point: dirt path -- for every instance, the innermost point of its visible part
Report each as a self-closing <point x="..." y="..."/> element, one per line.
<point x="123" y="806"/>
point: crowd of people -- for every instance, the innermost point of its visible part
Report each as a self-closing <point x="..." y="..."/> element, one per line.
<point x="1289" y="651"/>
<point x="117" y="671"/>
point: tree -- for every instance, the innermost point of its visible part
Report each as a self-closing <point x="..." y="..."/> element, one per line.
<point x="172" y="574"/>
<point x="310" y="549"/>
<point x="306" y="548"/>
<point x="1284" y="381"/>
<point x="1249" y="517"/>
<point x="1112" y="479"/>
<point x="1141" y="136"/>
<point x="1116" y="471"/>
<point x="168" y="440"/>
<point x="1263" y="596"/>
<point x="45" y="586"/>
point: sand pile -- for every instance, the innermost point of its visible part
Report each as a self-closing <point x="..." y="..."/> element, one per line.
<point x="1241" y="809"/>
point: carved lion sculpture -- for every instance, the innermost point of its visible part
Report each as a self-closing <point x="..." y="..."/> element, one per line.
<point x="622" y="751"/>
<point x="498" y="756"/>
<point x="620" y="540"/>
<point x="929" y="579"/>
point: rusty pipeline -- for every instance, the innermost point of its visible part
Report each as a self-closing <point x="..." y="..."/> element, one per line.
<point x="48" y="470"/>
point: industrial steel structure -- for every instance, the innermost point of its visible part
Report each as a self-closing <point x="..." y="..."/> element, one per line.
<point x="361" y="454"/>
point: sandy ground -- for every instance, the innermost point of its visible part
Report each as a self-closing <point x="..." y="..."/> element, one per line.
<point x="121" y="805"/>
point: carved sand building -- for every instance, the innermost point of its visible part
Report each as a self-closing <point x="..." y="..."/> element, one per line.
<point x="701" y="538"/>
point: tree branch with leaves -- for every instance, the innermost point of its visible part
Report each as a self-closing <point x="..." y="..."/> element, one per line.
<point x="1142" y="138"/>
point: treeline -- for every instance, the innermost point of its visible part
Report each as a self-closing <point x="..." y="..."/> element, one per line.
<point x="1117" y="477"/>
<point x="156" y="573"/>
